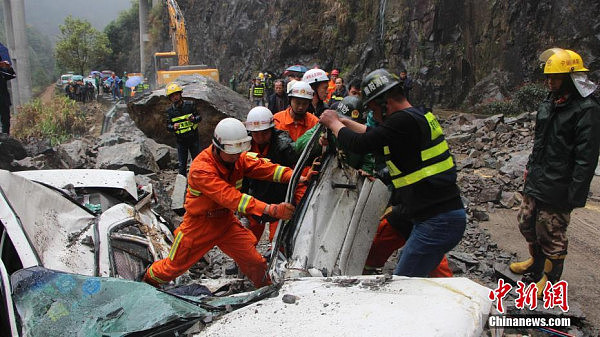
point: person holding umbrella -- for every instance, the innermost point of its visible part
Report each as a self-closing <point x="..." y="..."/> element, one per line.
<point x="294" y="73"/>
<point x="132" y="82"/>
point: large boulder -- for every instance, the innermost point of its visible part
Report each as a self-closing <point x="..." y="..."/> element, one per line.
<point x="10" y="149"/>
<point x="74" y="153"/>
<point x="161" y="152"/>
<point x="136" y="156"/>
<point x="214" y="102"/>
<point x="493" y="87"/>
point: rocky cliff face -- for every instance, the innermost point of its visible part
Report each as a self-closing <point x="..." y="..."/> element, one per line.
<point x="447" y="45"/>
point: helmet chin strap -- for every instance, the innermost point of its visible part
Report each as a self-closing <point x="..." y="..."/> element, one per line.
<point x="382" y="102"/>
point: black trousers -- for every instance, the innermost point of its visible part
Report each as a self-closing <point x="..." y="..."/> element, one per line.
<point x="187" y="144"/>
<point x="5" y="117"/>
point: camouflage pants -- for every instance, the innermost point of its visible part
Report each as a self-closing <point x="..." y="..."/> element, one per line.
<point x="543" y="227"/>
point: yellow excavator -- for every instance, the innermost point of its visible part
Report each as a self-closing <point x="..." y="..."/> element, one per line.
<point x="172" y="64"/>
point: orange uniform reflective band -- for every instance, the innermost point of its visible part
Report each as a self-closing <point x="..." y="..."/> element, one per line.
<point x="244" y="201"/>
<point x="175" y="245"/>
<point x="278" y="173"/>
<point x="154" y="277"/>
<point x="194" y="192"/>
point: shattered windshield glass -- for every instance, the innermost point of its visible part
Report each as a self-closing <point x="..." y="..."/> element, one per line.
<point x="52" y="303"/>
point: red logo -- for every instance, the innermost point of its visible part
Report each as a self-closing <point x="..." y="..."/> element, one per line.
<point x="553" y="295"/>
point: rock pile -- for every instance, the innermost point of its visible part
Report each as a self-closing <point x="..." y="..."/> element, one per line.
<point x="490" y="154"/>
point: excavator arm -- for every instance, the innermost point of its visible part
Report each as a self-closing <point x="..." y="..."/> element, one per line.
<point x="178" y="32"/>
<point x="164" y="62"/>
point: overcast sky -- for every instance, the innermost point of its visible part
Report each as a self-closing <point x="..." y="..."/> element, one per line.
<point x="46" y="15"/>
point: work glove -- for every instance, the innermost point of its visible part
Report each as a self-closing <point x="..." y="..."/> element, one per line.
<point x="283" y="210"/>
<point x="313" y="171"/>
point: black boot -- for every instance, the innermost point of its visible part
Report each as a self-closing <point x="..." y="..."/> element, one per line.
<point x="555" y="272"/>
<point x="536" y="273"/>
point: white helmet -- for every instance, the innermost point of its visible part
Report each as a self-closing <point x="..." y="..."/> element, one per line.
<point x="231" y="137"/>
<point x="259" y="118"/>
<point x="301" y="89"/>
<point x="315" y="76"/>
<point x="290" y="85"/>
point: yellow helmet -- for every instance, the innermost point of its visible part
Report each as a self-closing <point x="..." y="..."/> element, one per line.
<point x="561" y="61"/>
<point x="173" y="88"/>
<point x="261" y="75"/>
<point x="577" y="61"/>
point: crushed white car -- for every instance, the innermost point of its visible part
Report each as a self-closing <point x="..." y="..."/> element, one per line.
<point x="88" y="222"/>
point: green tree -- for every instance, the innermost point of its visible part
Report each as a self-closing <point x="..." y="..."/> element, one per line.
<point x="80" y="45"/>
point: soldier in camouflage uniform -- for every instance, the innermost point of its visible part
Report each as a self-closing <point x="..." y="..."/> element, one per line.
<point x="560" y="167"/>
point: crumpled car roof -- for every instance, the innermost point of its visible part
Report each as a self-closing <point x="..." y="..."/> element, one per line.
<point x="37" y="216"/>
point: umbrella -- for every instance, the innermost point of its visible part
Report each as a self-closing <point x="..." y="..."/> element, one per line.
<point x="297" y="68"/>
<point x="134" y="81"/>
<point x="95" y="72"/>
<point x="4" y="53"/>
<point x="77" y="78"/>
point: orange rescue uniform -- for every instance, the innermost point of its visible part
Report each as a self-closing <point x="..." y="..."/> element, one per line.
<point x="387" y="240"/>
<point x="296" y="128"/>
<point x="330" y="89"/>
<point x="213" y="194"/>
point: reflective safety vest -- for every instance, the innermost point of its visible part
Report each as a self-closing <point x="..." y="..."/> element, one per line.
<point x="185" y="126"/>
<point x="259" y="91"/>
<point x="435" y="154"/>
<point x="336" y="98"/>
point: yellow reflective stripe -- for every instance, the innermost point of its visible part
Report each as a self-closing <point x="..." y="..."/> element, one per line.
<point x="175" y="245"/>
<point x="154" y="277"/>
<point x="425" y="172"/>
<point x="178" y="118"/>
<point x="194" y="192"/>
<point x="238" y="184"/>
<point x="185" y="124"/>
<point x="434" y="125"/>
<point x="278" y="173"/>
<point x="258" y="91"/>
<point x="394" y="171"/>
<point x="434" y="151"/>
<point x="251" y="154"/>
<point x="386" y="150"/>
<point x="244" y="201"/>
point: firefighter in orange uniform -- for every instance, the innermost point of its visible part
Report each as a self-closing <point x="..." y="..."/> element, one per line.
<point x="213" y="195"/>
<point x="295" y="119"/>
<point x="331" y="84"/>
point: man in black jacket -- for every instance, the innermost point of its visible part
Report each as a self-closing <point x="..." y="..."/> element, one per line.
<point x="279" y="101"/>
<point x="277" y="146"/>
<point x="6" y="74"/>
<point x="183" y="118"/>
<point x="421" y="167"/>
<point x="560" y="167"/>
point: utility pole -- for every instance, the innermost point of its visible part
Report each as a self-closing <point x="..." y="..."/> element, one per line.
<point x="14" y="17"/>
<point x="10" y="44"/>
<point x="143" y="18"/>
